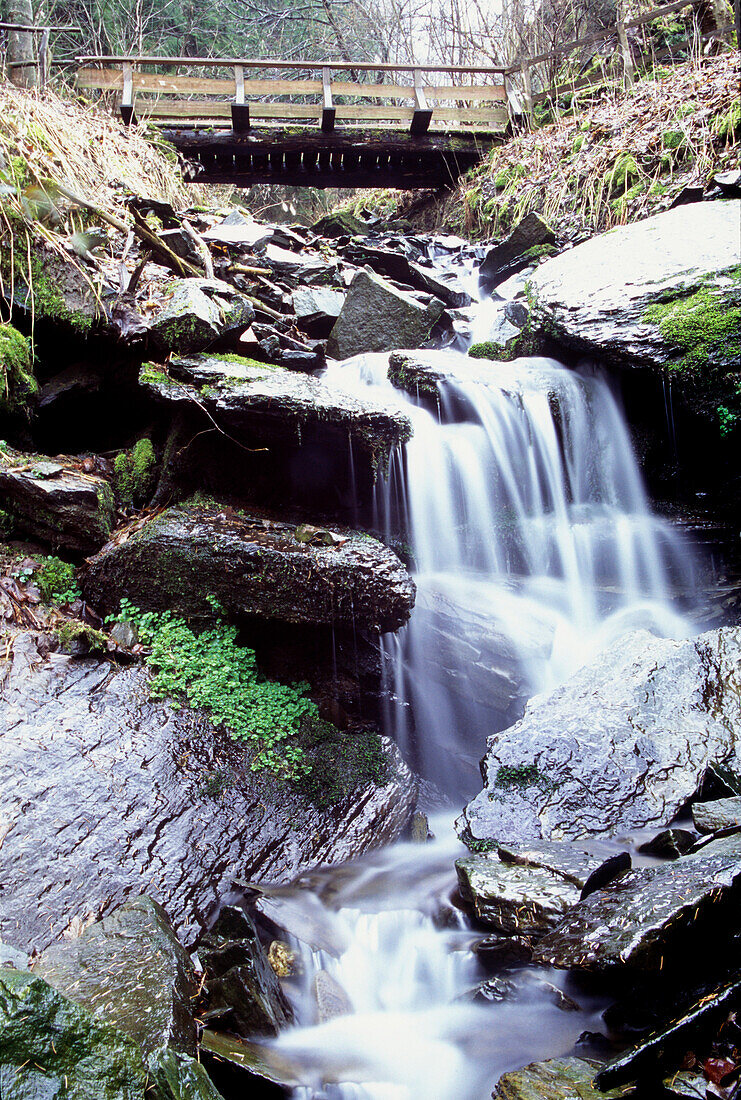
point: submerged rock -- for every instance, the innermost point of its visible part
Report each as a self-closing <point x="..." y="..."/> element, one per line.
<point x="378" y="317"/>
<point x="55" y="501"/>
<point x="131" y="971"/>
<point x="105" y="793"/>
<point x="558" y="1079"/>
<point x="644" y="918"/>
<point x="623" y="744"/>
<point x="596" y="296"/>
<point x="183" y="558"/>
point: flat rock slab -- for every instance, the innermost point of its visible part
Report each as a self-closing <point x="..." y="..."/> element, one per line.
<point x="378" y="317"/>
<point x="621" y="745"/>
<point x="571" y="861"/>
<point x="557" y="1079"/>
<point x="711" y="817"/>
<point x="512" y="898"/>
<point x="54" y="501"/>
<point x="420" y="372"/>
<point x="253" y="566"/>
<point x="594" y="296"/>
<point x="131" y="971"/>
<point x="272" y="402"/>
<point x="106" y="795"/>
<point x="642" y="917"/>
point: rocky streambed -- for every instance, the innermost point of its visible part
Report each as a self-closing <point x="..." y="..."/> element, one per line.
<point x="208" y="837"/>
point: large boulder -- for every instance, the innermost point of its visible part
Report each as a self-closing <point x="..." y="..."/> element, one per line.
<point x="601" y="296"/>
<point x="184" y="557"/>
<point x="621" y="745"/>
<point x="265" y="404"/>
<point x="55" y="500"/>
<point x="106" y="793"/>
<point x="131" y="971"/>
<point x="198" y="312"/>
<point x="530" y="239"/>
<point x="376" y="316"/>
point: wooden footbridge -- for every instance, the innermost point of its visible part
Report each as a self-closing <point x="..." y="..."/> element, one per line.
<point x="342" y="125"/>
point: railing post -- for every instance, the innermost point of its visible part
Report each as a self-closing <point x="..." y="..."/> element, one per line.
<point x="527" y="92"/>
<point x="240" y="109"/>
<point x="329" y="111"/>
<point x="127" y="99"/>
<point x="422" y="112"/>
<point x="628" y="67"/>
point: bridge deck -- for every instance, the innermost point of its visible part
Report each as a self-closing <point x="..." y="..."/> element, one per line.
<point x="414" y="132"/>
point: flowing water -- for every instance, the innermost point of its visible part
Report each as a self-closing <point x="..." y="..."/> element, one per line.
<point x="533" y="546"/>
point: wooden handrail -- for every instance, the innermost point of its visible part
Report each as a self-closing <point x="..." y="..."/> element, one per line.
<point x="267" y="63"/>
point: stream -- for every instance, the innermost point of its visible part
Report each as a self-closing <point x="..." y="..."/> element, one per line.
<point x="533" y="546"/>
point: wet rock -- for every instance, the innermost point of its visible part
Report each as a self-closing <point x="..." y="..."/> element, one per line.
<point x="317" y="309"/>
<point x="558" y="1079"/>
<point x="621" y="745"/>
<point x="331" y="999"/>
<point x="11" y="956"/>
<point x="105" y="792"/>
<point x="197" y="313"/>
<point x="511" y="898"/>
<point x="669" y="844"/>
<point x="529" y="238"/>
<point x="53" y="1047"/>
<point x="502" y="952"/>
<point x="393" y="264"/>
<point x="727" y="846"/>
<point x="711" y="817"/>
<point x="284" y="960"/>
<point x="183" y="557"/>
<point x="378" y="317"/>
<point x="130" y="971"/>
<point x="262" y="1062"/>
<point x="665" y="1049"/>
<point x="267" y="404"/>
<point x="594" y="297"/>
<point x="644" y="917"/>
<point x="242" y="988"/>
<point x="573" y="862"/>
<point x="55" y="501"/>
<point x="419" y="832"/>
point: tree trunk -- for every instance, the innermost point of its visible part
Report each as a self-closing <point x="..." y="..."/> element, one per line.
<point x="21" y="45"/>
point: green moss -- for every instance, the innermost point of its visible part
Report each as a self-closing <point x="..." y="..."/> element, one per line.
<point x="17" y="382"/>
<point x="727" y="125"/>
<point x="56" y="581"/>
<point x="134" y="472"/>
<point x="673" y="139"/>
<point x="521" y="775"/>
<point x="578" y="143"/>
<point x="49" y="302"/>
<point x="340" y="763"/>
<point x="622" y="172"/>
<point x="74" y="634"/>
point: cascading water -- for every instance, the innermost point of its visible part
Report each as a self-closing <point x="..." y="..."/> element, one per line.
<point x="533" y="546"/>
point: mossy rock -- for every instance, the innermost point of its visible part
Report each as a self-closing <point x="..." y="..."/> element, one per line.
<point x="18" y="386"/>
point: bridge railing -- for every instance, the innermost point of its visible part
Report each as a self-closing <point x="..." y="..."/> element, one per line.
<point x="472" y="99"/>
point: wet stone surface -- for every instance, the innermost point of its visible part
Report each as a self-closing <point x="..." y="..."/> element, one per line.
<point x="513" y="898"/>
<point x="106" y="795"/>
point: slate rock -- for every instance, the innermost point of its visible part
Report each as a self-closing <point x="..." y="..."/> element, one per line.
<point x="711" y="817"/>
<point x="340" y="223"/>
<point x="378" y="317"/>
<point x="331" y="999"/>
<point x="574" y="862"/>
<point x="557" y="1079"/>
<point x="183" y="557"/>
<point x="391" y="263"/>
<point x="131" y="971"/>
<point x="501" y="952"/>
<point x="197" y="313"/>
<point x="241" y="985"/>
<point x="317" y="309"/>
<point x="514" y="254"/>
<point x="512" y="898"/>
<point x="103" y="791"/>
<point x="669" y="844"/>
<point x="643" y="917"/>
<point x="621" y="745"/>
<point x="594" y="296"/>
<point x="56" y="502"/>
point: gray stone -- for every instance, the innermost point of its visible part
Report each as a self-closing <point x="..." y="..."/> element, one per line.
<point x="183" y="557"/>
<point x="574" y="862"/>
<point x="197" y="313"/>
<point x="510" y="256"/>
<point x="11" y="956"/>
<point x="711" y="817"/>
<point x="557" y="1079"/>
<point x="105" y="793"/>
<point x="130" y="971"/>
<point x="331" y="999"/>
<point x="511" y="898"/>
<point x="56" y="502"/>
<point x="317" y="308"/>
<point x="623" y="744"/>
<point x="642" y="918"/>
<point x="594" y="297"/>
<point x="378" y="317"/>
<point x="265" y="403"/>
<point x="669" y="844"/>
<point x="340" y="223"/>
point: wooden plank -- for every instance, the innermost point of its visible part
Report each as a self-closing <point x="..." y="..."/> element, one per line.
<point x="328" y="111"/>
<point x="263" y="140"/>
<point x="112" y="79"/>
<point x="272" y="63"/>
<point x="487" y="93"/>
